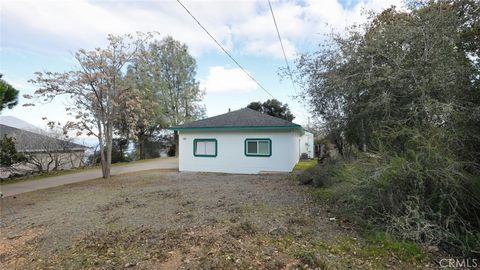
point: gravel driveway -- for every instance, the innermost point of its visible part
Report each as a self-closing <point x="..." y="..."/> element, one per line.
<point x="27" y="186"/>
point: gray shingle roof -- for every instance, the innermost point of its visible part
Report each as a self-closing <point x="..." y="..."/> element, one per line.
<point x="239" y="119"/>
<point x="26" y="141"/>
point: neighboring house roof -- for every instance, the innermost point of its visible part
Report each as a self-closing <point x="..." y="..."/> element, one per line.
<point x="240" y="119"/>
<point x="26" y="141"/>
<point x="15" y="122"/>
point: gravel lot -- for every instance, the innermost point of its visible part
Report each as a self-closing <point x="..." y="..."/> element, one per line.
<point x="171" y="220"/>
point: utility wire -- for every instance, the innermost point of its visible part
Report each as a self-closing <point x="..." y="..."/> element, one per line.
<point x="289" y="70"/>
<point x="281" y="44"/>
<point x="223" y="49"/>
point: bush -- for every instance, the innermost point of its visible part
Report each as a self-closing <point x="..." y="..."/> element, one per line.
<point x="8" y="153"/>
<point x="422" y="194"/>
<point x="320" y="175"/>
<point x="171" y="151"/>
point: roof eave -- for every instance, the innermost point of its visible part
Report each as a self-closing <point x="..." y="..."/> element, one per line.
<point x="235" y="128"/>
<point x="51" y="150"/>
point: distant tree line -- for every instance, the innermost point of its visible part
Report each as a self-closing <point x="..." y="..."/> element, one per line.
<point x="274" y="108"/>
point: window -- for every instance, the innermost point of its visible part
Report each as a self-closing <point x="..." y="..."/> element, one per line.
<point x="258" y="147"/>
<point x="205" y="147"/>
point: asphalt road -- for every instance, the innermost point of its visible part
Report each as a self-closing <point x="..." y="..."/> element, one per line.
<point x="35" y="184"/>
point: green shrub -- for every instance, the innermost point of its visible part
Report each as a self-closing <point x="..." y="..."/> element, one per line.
<point x="414" y="187"/>
<point x="422" y="194"/>
<point x="320" y="175"/>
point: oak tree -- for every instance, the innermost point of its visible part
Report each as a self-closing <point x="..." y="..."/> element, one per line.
<point x="274" y="108"/>
<point x="166" y="72"/>
<point x="98" y="90"/>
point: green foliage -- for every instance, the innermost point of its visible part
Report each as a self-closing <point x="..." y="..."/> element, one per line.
<point x="274" y="108"/>
<point x="381" y="244"/>
<point x="119" y="153"/>
<point x="165" y="73"/>
<point x="421" y="195"/>
<point x="8" y="95"/>
<point x="119" y="149"/>
<point x="8" y="154"/>
<point x="401" y="69"/>
<point x="376" y="251"/>
<point x="99" y="94"/>
<point x="174" y="71"/>
<point x="320" y="175"/>
<point x="405" y="86"/>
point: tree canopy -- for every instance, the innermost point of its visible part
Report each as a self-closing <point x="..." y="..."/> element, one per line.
<point x="100" y="95"/>
<point x="402" y="69"/>
<point x="131" y="89"/>
<point x="8" y="95"/>
<point x="274" y="108"/>
<point x="405" y="86"/>
<point x="165" y="71"/>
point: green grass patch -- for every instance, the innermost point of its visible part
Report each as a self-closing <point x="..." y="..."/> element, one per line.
<point x="324" y="193"/>
<point x="381" y="244"/>
<point x="305" y="164"/>
<point x="375" y="251"/>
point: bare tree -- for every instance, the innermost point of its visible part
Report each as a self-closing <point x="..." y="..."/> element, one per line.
<point x="98" y="90"/>
<point x="55" y="151"/>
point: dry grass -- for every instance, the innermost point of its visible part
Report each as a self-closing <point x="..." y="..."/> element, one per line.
<point x="170" y="220"/>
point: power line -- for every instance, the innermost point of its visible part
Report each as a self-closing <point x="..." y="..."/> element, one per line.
<point x="281" y="44"/>
<point x="283" y="50"/>
<point x="223" y="49"/>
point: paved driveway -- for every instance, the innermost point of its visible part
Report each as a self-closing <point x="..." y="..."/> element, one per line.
<point x="27" y="186"/>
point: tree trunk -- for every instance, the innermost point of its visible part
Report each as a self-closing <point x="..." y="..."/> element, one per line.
<point x="175" y="136"/>
<point x="141" y="145"/>
<point x="108" y="162"/>
<point x="105" y="143"/>
<point x="103" y="161"/>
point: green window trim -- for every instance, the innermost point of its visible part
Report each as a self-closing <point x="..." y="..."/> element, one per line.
<point x="258" y="139"/>
<point x="204" y="140"/>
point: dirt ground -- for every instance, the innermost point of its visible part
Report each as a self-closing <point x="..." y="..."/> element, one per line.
<point x="171" y="220"/>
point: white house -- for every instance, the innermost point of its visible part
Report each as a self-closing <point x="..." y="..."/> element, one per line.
<point x="45" y="153"/>
<point x="242" y="141"/>
<point x="306" y="144"/>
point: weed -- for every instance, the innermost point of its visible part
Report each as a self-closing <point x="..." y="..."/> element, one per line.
<point x="382" y="244"/>
<point x="305" y="164"/>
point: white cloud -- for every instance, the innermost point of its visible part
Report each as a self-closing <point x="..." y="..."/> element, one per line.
<point x="300" y="23"/>
<point x="84" y="23"/>
<point x="245" y="26"/>
<point x="258" y="35"/>
<point x="224" y="80"/>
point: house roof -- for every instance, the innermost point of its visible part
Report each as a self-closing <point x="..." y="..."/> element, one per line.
<point x="245" y="118"/>
<point x="26" y="141"/>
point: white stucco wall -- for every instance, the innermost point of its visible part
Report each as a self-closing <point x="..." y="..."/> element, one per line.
<point x="306" y="144"/>
<point x="231" y="156"/>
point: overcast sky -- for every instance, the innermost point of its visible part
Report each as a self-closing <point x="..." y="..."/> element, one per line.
<point x="42" y="36"/>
